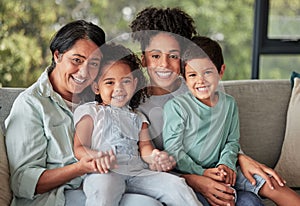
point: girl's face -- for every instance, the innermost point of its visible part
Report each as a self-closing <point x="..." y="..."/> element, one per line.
<point x="162" y="59"/>
<point x="116" y="85"/>
<point x="76" y="68"/>
<point x="202" y="79"/>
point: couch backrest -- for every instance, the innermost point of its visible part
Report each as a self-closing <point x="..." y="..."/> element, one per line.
<point x="7" y="97"/>
<point x="263" y="107"/>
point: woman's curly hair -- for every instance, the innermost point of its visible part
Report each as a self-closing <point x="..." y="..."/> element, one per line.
<point x="172" y="20"/>
<point x="113" y="53"/>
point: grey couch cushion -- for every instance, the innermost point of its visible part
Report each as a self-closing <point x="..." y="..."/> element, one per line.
<point x="266" y="102"/>
<point x="7" y="97"/>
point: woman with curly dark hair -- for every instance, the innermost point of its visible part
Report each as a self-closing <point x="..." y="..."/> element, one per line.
<point x="163" y="34"/>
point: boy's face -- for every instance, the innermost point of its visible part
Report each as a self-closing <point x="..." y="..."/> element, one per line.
<point x="117" y="84"/>
<point x="162" y="59"/>
<point x="202" y="79"/>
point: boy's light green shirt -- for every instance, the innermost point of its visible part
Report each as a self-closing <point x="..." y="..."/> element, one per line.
<point x="199" y="136"/>
<point x="39" y="136"/>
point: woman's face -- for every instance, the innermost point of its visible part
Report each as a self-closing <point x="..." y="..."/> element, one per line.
<point x="162" y="59"/>
<point x="116" y="85"/>
<point x="76" y="68"/>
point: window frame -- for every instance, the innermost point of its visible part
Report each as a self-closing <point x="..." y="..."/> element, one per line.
<point x="262" y="44"/>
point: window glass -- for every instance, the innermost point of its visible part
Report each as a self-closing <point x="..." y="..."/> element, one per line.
<point x="278" y="66"/>
<point x="284" y="20"/>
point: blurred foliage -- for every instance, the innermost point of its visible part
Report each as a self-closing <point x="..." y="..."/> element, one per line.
<point x="279" y="66"/>
<point x="28" y="25"/>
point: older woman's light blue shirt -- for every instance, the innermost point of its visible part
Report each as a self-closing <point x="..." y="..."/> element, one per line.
<point x="39" y="136"/>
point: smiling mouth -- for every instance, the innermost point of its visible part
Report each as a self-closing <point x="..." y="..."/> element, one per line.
<point x="78" y="80"/>
<point x="119" y="97"/>
<point x="202" y="89"/>
<point x="164" y="75"/>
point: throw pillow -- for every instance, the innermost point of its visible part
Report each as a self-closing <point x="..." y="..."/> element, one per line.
<point x="5" y="194"/>
<point x="288" y="165"/>
<point x="293" y="76"/>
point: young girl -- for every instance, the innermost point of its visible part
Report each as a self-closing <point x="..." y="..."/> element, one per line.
<point x="111" y="131"/>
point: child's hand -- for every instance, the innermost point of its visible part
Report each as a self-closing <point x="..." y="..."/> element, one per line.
<point x="217" y="174"/>
<point x="105" y="161"/>
<point x="161" y="161"/>
<point x="230" y="176"/>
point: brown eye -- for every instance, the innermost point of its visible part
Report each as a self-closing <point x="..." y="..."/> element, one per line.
<point x="173" y="56"/>
<point x="94" y="64"/>
<point x="77" y="61"/>
<point x="155" y="56"/>
<point x="126" y="81"/>
<point x="191" y="75"/>
<point x="109" y="82"/>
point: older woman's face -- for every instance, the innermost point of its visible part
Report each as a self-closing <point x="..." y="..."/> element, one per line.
<point x="76" y="68"/>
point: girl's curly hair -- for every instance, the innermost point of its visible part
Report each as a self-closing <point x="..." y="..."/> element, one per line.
<point x="113" y="53"/>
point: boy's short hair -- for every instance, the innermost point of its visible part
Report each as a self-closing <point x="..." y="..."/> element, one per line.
<point x="203" y="47"/>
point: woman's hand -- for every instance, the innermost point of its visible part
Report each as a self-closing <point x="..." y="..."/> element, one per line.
<point x="215" y="192"/>
<point x="161" y="161"/>
<point x="86" y="165"/>
<point x="249" y="167"/>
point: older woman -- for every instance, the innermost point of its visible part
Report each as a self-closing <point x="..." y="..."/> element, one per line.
<point x="39" y="129"/>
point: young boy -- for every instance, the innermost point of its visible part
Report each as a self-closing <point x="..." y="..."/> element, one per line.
<point x="201" y="127"/>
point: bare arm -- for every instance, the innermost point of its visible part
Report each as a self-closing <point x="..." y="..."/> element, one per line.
<point x="82" y="138"/>
<point x="102" y="160"/>
<point x="54" y="178"/>
<point x="145" y="145"/>
<point x="157" y="160"/>
<point x="250" y="167"/>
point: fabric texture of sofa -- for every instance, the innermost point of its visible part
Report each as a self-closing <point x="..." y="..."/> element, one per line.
<point x="263" y="106"/>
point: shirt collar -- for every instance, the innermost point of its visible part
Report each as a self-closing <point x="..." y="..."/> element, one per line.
<point x="45" y="86"/>
<point x="46" y="90"/>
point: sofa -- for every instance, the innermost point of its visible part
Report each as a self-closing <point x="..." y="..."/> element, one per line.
<point x="263" y="106"/>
